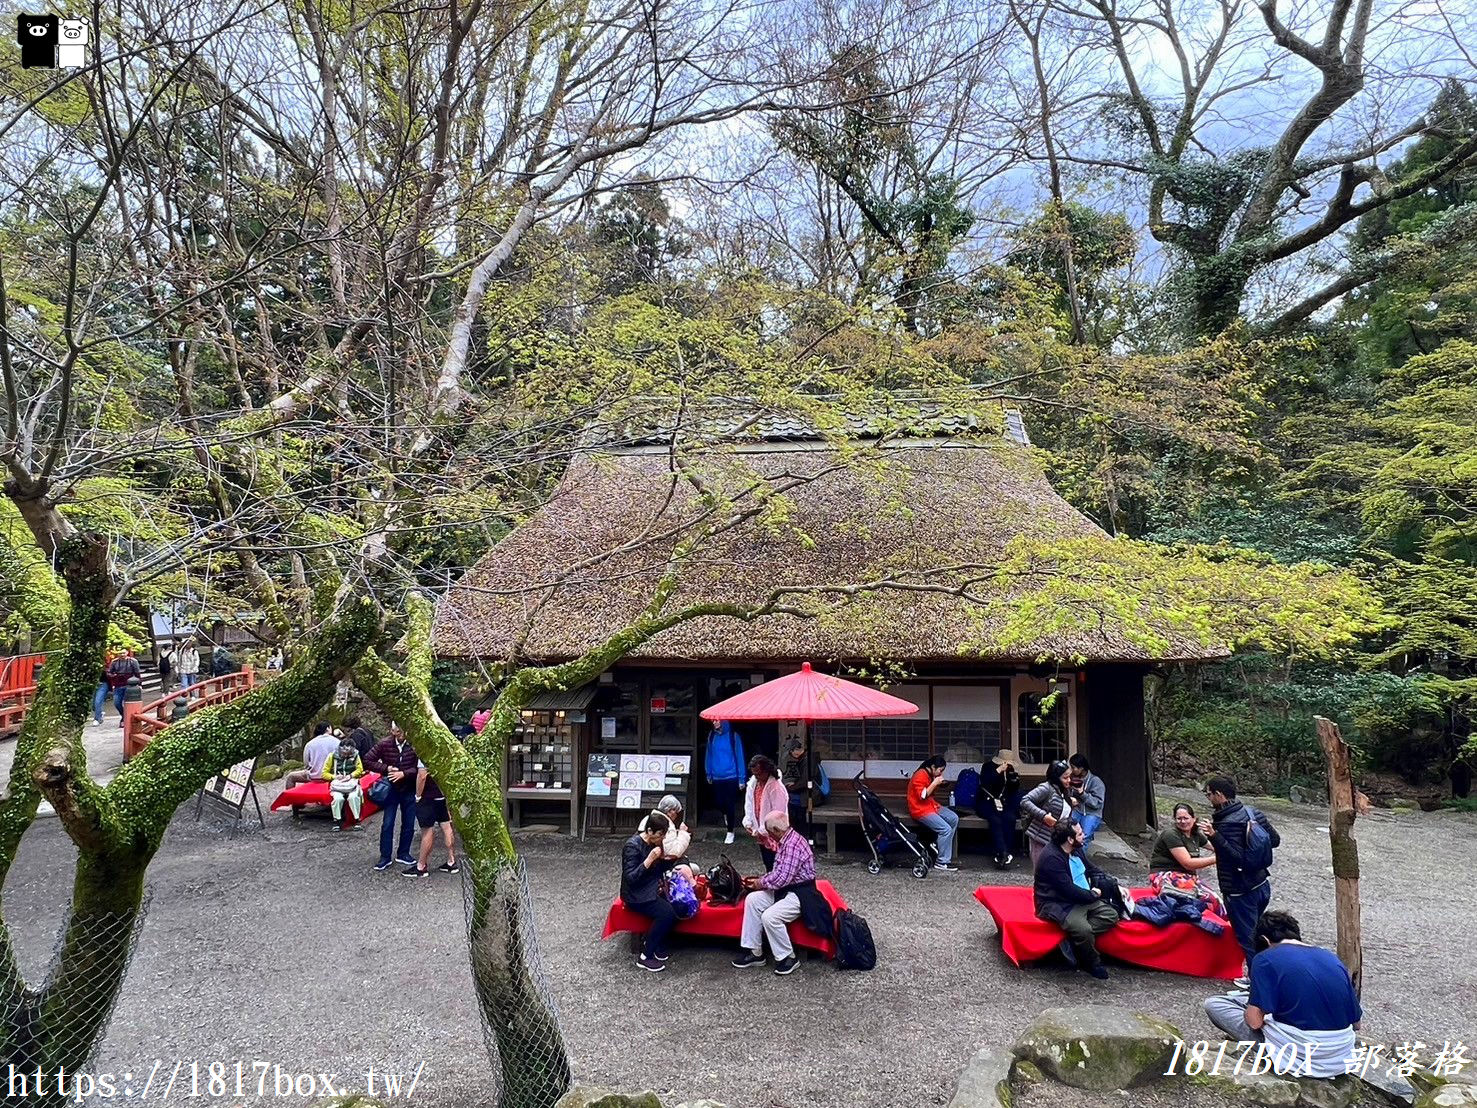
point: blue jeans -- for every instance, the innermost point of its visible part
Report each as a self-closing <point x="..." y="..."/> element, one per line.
<point x="188" y="679"/>
<point x="1089" y="824"/>
<point x="663" y="919"/>
<point x="404" y="802"/>
<point x="946" y="823"/>
<point x="1246" y="911"/>
<point x="99" y="698"/>
<point x="118" y="694"/>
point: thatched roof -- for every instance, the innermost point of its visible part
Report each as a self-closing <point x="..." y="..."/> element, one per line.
<point x="937" y="501"/>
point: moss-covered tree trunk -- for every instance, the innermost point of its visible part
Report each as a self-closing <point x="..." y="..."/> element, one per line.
<point x="532" y="1057"/>
<point x="531" y="1054"/>
<point x="522" y="1027"/>
<point x="118" y="828"/>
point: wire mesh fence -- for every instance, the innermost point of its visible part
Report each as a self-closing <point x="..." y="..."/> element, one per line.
<point x="62" y="1022"/>
<point x="520" y="1018"/>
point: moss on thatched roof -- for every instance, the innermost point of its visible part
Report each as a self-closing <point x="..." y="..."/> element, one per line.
<point x="931" y="503"/>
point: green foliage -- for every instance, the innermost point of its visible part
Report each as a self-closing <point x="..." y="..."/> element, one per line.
<point x="1099" y="245"/>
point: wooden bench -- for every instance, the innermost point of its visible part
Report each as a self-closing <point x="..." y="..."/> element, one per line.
<point x="841" y="808"/>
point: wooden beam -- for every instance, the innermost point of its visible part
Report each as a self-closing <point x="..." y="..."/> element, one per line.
<point x="1342" y="809"/>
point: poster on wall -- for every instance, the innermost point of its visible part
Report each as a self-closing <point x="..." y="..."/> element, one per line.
<point x="679" y="766"/>
<point x="607" y="727"/>
<point x="630" y="763"/>
<point x="628" y="798"/>
<point x="602" y="764"/>
<point x="597" y="786"/>
<point x="630" y="781"/>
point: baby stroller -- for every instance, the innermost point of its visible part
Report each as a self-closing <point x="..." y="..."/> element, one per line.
<point x="884" y="832"/>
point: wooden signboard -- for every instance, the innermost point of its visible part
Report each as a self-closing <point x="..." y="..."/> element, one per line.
<point x="633" y="782"/>
<point x="229" y="790"/>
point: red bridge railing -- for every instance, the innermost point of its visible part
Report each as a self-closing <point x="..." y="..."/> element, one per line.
<point x="17" y="689"/>
<point x="141" y="722"/>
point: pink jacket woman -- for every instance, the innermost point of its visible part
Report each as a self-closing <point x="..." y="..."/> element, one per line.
<point x="764" y="794"/>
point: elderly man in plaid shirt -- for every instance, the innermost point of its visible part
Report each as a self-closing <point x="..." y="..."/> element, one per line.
<point x="784" y="894"/>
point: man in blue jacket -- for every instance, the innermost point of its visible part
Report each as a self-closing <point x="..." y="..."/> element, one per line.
<point x="1246" y="888"/>
<point x="1075" y="895"/>
<point x="724" y="763"/>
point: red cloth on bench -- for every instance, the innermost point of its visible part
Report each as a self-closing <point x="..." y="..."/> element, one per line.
<point x="316" y="792"/>
<point x="725" y="921"/>
<point x="1178" y="948"/>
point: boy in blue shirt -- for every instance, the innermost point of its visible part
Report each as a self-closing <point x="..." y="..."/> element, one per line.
<point x="1301" y="996"/>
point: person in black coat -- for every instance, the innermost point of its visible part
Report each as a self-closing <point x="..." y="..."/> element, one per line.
<point x="998" y="803"/>
<point x="1245" y="889"/>
<point x="1075" y="895"/>
<point x="642" y="871"/>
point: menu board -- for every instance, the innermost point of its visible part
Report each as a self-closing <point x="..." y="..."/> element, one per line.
<point x="635" y="782"/>
<point x="230" y="788"/>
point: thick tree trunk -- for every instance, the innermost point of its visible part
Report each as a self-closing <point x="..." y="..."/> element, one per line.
<point x="117" y="829"/>
<point x="518" y="1011"/>
<point x="518" y="1015"/>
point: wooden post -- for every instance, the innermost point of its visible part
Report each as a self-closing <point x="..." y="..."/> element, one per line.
<point x="1341" y="812"/>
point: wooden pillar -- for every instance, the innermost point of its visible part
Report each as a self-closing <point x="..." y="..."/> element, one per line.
<point x="1118" y="744"/>
<point x="1341" y="812"/>
<point x="133" y="702"/>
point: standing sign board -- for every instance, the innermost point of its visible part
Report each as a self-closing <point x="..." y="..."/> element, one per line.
<point x="229" y="789"/>
<point x="634" y="782"/>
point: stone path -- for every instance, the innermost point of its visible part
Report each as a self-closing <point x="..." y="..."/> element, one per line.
<point x="103" y="743"/>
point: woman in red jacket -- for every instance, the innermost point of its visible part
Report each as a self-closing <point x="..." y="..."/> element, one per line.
<point x="923" y="807"/>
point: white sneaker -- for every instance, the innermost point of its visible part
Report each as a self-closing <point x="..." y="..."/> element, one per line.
<point x="1128" y="904"/>
<point x="728" y="839"/>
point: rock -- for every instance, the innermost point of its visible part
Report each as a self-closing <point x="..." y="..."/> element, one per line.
<point x="353" y="1100"/>
<point x="267" y="773"/>
<point x="1303" y="794"/>
<point x="985" y="1082"/>
<point x="1399" y="802"/>
<point x="1107" y="844"/>
<point x="1426" y="1080"/>
<point x="1328" y="1092"/>
<point x="587" y="1096"/>
<point x="1448" y="1096"/>
<point x="1395" y="1090"/>
<point x="291" y="763"/>
<point x="1027" y="1073"/>
<point x="1266" y="1089"/>
<point x="1098" y="1046"/>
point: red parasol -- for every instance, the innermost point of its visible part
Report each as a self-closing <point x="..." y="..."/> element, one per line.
<point x="809" y="695"/>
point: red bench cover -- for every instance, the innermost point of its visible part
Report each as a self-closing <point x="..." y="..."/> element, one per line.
<point x="1179" y="948"/>
<point x="725" y="921"/>
<point x="316" y="792"/>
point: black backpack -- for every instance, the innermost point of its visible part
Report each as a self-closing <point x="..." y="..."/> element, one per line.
<point x="724" y="884"/>
<point x="854" y="946"/>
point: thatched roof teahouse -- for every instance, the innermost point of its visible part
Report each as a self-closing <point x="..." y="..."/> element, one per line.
<point x="586" y="563"/>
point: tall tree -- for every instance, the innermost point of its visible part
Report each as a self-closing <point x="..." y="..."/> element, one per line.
<point x="1233" y="203"/>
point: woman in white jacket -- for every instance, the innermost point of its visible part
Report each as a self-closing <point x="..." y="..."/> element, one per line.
<point x="678" y="837"/>
<point x="764" y="795"/>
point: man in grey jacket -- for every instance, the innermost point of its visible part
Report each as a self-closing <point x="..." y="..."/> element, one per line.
<point x="1094" y="796"/>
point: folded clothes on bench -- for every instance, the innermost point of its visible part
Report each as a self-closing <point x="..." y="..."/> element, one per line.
<point x="725" y="921"/>
<point x="1178" y="948"/>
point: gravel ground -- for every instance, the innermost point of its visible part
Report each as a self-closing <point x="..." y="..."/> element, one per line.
<point x="238" y="960"/>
